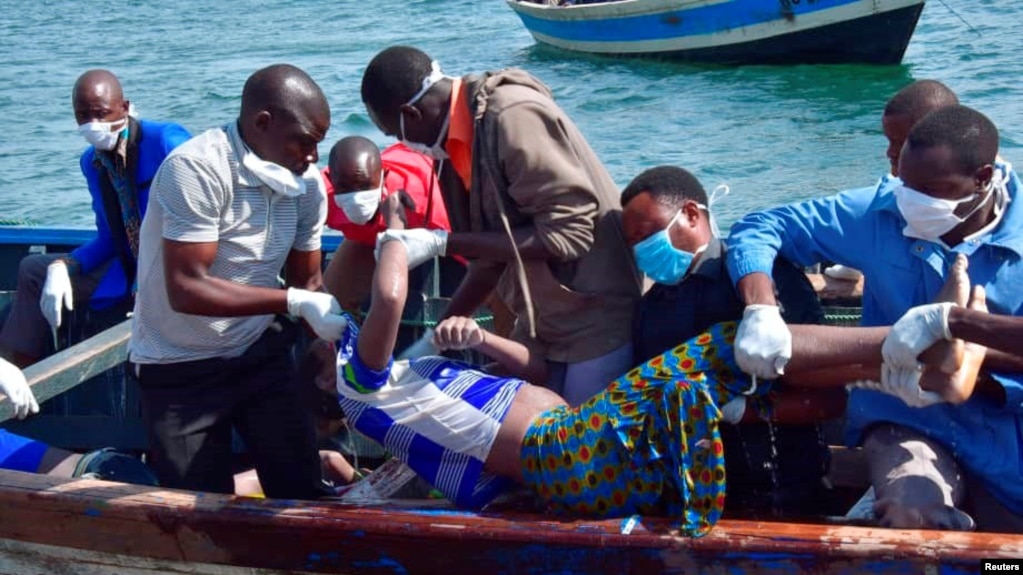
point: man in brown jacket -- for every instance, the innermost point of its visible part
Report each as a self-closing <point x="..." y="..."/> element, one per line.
<point x="530" y="205"/>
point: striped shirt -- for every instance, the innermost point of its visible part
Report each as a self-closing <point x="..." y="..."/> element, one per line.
<point x="202" y="193"/>
<point x="439" y="416"/>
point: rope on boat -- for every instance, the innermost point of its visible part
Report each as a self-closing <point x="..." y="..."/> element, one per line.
<point x="15" y="222"/>
<point x="963" y="20"/>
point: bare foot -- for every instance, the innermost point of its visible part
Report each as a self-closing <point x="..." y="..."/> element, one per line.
<point x="958" y="386"/>
<point x="947" y="356"/>
<point x="957" y="286"/>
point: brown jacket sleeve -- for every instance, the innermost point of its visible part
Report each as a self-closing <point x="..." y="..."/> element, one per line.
<point x="546" y="178"/>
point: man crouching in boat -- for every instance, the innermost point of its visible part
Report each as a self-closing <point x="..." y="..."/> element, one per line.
<point x="119" y="165"/>
<point x="233" y="210"/>
<point x="649" y="443"/>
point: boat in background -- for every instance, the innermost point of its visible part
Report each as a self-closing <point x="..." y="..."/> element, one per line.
<point x="728" y="31"/>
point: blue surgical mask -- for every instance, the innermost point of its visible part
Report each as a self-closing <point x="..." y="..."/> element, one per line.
<point x="660" y="260"/>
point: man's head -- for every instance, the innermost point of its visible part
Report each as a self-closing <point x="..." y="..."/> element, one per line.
<point x="407" y="96"/>
<point x="100" y="108"/>
<point x="356" y="174"/>
<point x="908" y="107"/>
<point x="284" y="116"/>
<point x="947" y="168"/>
<point x="664" y="208"/>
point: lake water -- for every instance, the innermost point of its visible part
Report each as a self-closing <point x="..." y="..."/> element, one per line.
<point x="774" y="134"/>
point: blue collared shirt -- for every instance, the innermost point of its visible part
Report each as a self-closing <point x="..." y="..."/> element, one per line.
<point x="862" y="228"/>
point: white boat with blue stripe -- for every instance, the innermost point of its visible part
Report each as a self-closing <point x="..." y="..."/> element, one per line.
<point x="728" y="31"/>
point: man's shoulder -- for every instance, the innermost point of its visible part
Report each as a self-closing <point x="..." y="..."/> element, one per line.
<point x="159" y="126"/>
<point x="402" y="163"/>
<point x="690" y="288"/>
<point x="205" y="157"/>
<point x="86" y="157"/>
<point x="159" y="138"/>
<point x="211" y="146"/>
<point x="510" y="88"/>
<point x="402" y="154"/>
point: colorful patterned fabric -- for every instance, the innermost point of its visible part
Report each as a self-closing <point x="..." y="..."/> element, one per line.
<point x="649" y="443"/>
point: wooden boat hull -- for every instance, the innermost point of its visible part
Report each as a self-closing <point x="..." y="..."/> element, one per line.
<point x="56" y="526"/>
<point x="730" y="31"/>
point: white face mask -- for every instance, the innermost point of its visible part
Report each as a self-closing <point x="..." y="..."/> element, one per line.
<point x="360" y="207"/>
<point x="928" y="218"/>
<point x="103" y="135"/>
<point x="278" y="178"/>
<point x="436" y="151"/>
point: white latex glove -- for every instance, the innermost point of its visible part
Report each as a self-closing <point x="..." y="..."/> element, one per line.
<point x="423" y="346"/>
<point x="763" y="343"/>
<point x="421" y="244"/>
<point x="920" y="328"/>
<point x="458" y="333"/>
<point x="56" y="294"/>
<point x="320" y="310"/>
<point x="904" y="383"/>
<point x="733" y="411"/>
<point x="14" y="386"/>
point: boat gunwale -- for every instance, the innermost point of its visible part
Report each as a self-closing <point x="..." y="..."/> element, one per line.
<point x="623" y="9"/>
<point x="612" y="8"/>
<point x="165" y="511"/>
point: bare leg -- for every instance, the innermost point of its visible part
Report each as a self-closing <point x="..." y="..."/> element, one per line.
<point x="951" y="367"/>
<point x="336" y="468"/>
<point x="59" y="462"/>
<point x="948" y="355"/>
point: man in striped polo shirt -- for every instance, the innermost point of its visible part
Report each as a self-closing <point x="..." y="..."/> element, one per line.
<point x="231" y="210"/>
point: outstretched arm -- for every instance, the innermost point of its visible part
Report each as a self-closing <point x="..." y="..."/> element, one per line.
<point x="389" y="290"/>
<point x="998" y="332"/>
<point x="828" y="354"/>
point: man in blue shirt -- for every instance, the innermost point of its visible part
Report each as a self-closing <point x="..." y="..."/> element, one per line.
<point x="956" y="198"/>
<point x="667" y="224"/>
<point x="119" y="165"/>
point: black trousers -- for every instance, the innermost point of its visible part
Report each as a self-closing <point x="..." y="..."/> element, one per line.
<point x="191" y="407"/>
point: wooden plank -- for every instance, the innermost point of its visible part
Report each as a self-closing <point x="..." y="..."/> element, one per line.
<point x="63" y="371"/>
<point x="325" y="537"/>
<point x="19" y="558"/>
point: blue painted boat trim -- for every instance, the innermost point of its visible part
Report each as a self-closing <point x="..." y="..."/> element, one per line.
<point x="843" y="42"/>
<point x="716" y="18"/>
<point x="35" y="235"/>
